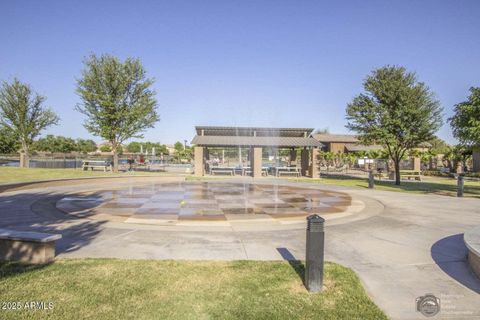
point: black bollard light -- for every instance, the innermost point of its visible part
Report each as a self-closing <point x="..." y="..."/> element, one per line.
<point x="315" y="253"/>
<point x="460" y="186"/>
<point x="371" y="182"/>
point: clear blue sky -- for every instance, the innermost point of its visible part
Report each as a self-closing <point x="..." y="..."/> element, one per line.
<point x="246" y="63"/>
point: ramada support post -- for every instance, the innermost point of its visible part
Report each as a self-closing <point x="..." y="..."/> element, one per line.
<point x="293" y="156"/>
<point x="199" y="165"/>
<point x="416" y="164"/>
<point x="305" y="161"/>
<point x="257" y="162"/>
<point x="476" y="160"/>
<point x="314" y="169"/>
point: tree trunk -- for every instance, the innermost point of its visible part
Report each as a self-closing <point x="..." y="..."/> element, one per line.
<point x="396" y="163"/>
<point x="115" y="161"/>
<point x="24" y="159"/>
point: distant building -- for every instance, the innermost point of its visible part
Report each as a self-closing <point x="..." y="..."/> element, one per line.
<point x="342" y="143"/>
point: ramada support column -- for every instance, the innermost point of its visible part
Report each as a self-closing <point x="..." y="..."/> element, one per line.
<point x="293" y="156"/>
<point x="314" y="169"/>
<point x="256" y="162"/>
<point x="476" y="160"/>
<point x="416" y="164"/>
<point x="199" y="165"/>
<point x="304" y="161"/>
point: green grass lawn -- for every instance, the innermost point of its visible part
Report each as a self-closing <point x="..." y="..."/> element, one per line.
<point x="436" y="185"/>
<point x="13" y="175"/>
<point x="147" y="289"/>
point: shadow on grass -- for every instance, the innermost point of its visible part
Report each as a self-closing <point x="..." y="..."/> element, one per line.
<point x="297" y="265"/>
<point x="11" y="269"/>
<point x="450" y="254"/>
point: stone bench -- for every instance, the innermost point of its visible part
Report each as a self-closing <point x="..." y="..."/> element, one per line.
<point x="472" y="242"/>
<point x="27" y="246"/>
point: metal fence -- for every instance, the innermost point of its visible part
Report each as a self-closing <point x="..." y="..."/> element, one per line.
<point x="75" y="162"/>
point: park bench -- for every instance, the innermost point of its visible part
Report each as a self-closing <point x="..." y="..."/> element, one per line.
<point x="411" y="174"/>
<point x="340" y="169"/>
<point x="230" y="171"/>
<point x="102" y="164"/>
<point x="27" y="246"/>
<point x="381" y="175"/>
<point x="295" y="171"/>
<point x="290" y="173"/>
<point x="247" y="171"/>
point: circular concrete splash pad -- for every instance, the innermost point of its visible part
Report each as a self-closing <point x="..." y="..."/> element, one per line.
<point x="216" y="203"/>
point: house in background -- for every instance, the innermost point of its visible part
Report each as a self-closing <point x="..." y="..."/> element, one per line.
<point x="342" y="143"/>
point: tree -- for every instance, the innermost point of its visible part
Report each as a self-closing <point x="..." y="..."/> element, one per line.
<point x="55" y="144"/>
<point x="108" y="148"/>
<point x="117" y="99"/>
<point x="396" y="111"/>
<point x="105" y="148"/>
<point x="8" y="141"/>
<point x="86" y="146"/>
<point x="178" y="146"/>
<point x="466" y="119"/>
<point x="162" y="149"/>
<point x="439" y="146"/>
<point x="458" y="154"/>
<point x="22" y="112"/>
<point x="181" y="152"/>
<point x="134" y="147"/>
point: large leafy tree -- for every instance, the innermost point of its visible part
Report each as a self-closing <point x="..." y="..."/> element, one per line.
<point x="181" y="152"/>
<point x="396" y="111"/>
<point x="22" y="111"/>
<point x="8" y="141"/>
<point x="55" y="144"/>
<point x="85" y="146"/>
<point x="458" y="155"/>
<point x="117" y="99"/>
<point x="466" y="119"/>
<point x="439" y="146"/>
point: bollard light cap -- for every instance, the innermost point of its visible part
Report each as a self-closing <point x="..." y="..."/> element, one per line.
<point x="315" y="218"/>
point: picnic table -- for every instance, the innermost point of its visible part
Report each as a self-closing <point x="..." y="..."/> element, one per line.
<point x="409" y="174"/>
<point x="381" y="175"/>
<point x="102" y="164"/>
<point x="248" y="170"/>
<point x="287" y="170"/>
<point x="226" y="170"/>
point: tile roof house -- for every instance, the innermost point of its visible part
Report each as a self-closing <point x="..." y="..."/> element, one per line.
<point x="342" y="143"/>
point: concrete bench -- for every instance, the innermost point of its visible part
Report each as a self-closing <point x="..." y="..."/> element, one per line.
<point x="472" y="242"/>
<point x="27" y="246"/>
